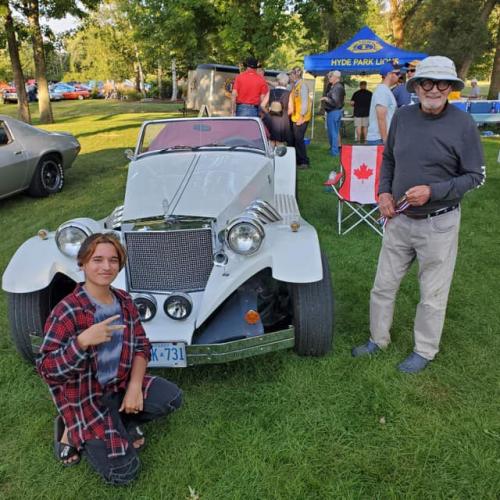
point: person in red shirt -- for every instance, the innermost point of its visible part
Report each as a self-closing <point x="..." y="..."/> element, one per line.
<point x="94" y="357"/>
<point x="250" y="91"/>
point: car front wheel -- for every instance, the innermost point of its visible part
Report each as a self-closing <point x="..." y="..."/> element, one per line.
<point x="27" y="315"/>
<point x="48" y="177"/>
<point x="313" y="314"/>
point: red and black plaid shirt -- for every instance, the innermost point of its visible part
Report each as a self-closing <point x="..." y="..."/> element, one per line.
<point x="71" y="372"/>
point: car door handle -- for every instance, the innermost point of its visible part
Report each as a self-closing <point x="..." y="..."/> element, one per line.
<point x="17" y="153"/>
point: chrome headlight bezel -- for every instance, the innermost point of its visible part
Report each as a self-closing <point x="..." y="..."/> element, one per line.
<point x="145" y="299"/>
<point x="71" y="248"/>
<point x="240" y="223"/>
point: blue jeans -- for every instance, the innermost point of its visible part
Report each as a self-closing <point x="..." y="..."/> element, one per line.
<point x="333" y="124"/>
<point x="375" y="142"/>
<point x="247" y="110"/>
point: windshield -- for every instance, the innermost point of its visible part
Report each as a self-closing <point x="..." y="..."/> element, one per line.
<point x="198" y="133"/>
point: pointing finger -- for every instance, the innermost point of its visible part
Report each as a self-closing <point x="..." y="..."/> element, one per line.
<point x="111" y="319"/>
<point x="115" y="327"/>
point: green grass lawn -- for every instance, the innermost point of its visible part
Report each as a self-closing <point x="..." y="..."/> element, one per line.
<point x="281" y="426"/>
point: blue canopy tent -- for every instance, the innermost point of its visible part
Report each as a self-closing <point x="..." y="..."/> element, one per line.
<point x="365" y="53"/>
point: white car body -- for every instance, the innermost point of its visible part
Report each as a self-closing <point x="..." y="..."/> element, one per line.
<point x="179" y="204"/>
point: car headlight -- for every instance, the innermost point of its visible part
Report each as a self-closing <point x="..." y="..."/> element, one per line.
<point x="146" y="306"/>
<point x="178" y="306"/>
<point x="70" y="236"/>
<point x="244" y="236"/>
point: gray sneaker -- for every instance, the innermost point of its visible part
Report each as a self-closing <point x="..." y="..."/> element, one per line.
<point x="365" y="349"/>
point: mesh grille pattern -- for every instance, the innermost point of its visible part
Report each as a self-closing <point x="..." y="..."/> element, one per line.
<point x="169" y="260"/>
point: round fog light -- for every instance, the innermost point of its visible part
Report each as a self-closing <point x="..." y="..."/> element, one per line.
<point x="178" y="306"/>
<point x="146" y="306"/>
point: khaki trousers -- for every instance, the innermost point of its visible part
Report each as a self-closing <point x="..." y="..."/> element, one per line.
<point x="433" y="243"/>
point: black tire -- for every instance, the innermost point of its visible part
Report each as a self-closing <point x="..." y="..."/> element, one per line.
<point x="313" y="314"/>
<point x="27" y="315"/>
<point x="48" y="177"/>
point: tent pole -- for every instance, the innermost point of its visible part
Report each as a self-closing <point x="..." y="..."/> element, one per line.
<point x="313" y="108"/>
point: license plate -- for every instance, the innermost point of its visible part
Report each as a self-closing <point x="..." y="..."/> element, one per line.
<point x="168" y="354"/>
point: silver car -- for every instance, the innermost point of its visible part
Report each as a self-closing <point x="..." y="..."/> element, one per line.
<point x="33" y="159"/>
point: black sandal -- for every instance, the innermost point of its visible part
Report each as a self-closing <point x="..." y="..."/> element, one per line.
<point x="135" y="433"/>
<point x="63" y="451"/>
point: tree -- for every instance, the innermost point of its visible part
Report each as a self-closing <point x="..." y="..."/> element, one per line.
<point x="333" y="21"/>
<point x="31" y="10"/>
<point x="22" y="98"/>
<point x="495" y="72"/>
<point x="462" y="34"/>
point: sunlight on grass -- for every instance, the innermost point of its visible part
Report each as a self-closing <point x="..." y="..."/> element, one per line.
<point x="280" y="426"/>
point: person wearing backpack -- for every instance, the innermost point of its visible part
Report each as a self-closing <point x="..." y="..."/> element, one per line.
<point x="277" y="118"/>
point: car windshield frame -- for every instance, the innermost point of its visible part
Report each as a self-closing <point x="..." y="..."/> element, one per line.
<point x="202" y="134"/>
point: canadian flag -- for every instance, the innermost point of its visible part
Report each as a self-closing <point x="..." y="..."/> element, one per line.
<point x="362" y="175"/>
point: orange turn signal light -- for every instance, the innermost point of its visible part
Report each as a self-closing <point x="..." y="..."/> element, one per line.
<point x="252" y="317"/>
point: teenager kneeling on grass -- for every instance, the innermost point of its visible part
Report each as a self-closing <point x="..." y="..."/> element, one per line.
<point x="94" y="357"/>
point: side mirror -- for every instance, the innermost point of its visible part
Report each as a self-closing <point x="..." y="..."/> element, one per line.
<point x="280" y="150"/>
<point x="129" y="154"/>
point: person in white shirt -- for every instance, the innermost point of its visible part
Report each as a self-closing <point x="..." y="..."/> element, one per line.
<point x="382" y="107"/>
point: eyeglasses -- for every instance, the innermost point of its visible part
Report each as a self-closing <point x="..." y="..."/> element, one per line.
<point x="441" y="85"/>
<point x="410" y="71"/>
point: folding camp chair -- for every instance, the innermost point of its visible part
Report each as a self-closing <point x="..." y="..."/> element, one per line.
<point x="356" y="186"/>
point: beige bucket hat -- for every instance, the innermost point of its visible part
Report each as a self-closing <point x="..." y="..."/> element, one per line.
<point x="435" y="68"/>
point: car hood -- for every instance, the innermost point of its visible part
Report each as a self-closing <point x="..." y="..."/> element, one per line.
<point x="218" y="184"/>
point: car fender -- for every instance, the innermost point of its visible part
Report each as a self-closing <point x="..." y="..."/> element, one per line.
<point x="38" y="260"/>
<point x="294" y="257"/>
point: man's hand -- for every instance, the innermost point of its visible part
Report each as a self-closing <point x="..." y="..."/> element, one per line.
<point x="386" y="205"/>
<point x="133" y="400"/>
<point x="418" y="195"/>
<point x="300" y="121"/>
<point x="99" y="333"/>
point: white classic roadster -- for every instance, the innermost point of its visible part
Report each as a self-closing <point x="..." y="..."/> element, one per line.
<point x="220" y="263"/>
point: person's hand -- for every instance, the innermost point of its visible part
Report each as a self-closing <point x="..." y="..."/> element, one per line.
<point x="418" y="195"/>
<point x="386" y="205"/>
<point x="99" y="333"/>
<point x="299" y="122"/>
<point x="323" y="99"/>
<point x="133" y="401"/>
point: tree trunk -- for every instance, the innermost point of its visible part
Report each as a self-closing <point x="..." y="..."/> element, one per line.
<point x="483" y="19"/>
<point x="495" y="72"/>
<point x="397" y="23"/>
<point x="32" y="12"/>
<point x="23" y="109"/>
<point x="160" y="74"/>
<point x="174" y="80"/>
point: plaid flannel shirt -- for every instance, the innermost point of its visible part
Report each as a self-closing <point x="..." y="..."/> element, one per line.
<point x="71" y="372"/>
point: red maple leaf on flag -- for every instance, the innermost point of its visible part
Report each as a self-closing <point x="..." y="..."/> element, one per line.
<point x="363" y="172"/>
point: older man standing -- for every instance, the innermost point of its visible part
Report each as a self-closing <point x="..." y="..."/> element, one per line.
<point x="382" y="106"/>
<point x="334" y="104"/>
<point x="433" y="156"/>
<point x="250" y="91"/>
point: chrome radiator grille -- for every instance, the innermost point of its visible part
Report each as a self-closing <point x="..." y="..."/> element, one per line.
<point x="169" y="260"/>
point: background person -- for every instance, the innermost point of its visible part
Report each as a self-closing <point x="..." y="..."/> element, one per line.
<point x="475" y="92"/>
<point x="250" y="91"/>
<point x="360" y="101"/>
<point x="333" y="104"/>
<point x="382" y="106"/>
<point x="96" y="369"/>
<point x="300" y="105"/>
<point x="277" y="119"/>
<point x="433" y="156"/>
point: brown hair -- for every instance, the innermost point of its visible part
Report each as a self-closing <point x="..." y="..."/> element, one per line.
<point x="90" y="244"/>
